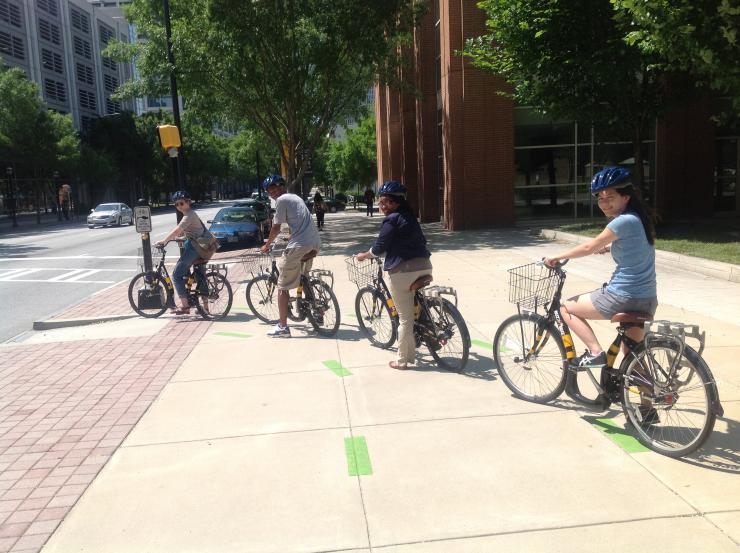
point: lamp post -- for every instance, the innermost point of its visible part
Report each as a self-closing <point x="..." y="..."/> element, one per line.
<point x="58" y="195"/>
<point x="178" y="160"/>
<point x="11" y="194"/>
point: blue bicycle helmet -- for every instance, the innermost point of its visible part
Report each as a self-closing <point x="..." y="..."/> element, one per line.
<point x="273" y="180"/>
<point x="180" y="195"/>
<point x="392" y="188"/>
<point x="610" y="177"/>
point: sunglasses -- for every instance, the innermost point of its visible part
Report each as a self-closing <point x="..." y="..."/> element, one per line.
<point x="181" y="203"/>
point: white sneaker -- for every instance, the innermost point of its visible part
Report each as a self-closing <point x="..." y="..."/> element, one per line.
<point x="279" y="332"/>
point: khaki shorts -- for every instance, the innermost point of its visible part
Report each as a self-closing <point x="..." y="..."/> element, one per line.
<point x="289" y="266"/>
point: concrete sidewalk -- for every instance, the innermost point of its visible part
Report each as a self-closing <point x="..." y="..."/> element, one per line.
<point x="314" y="444"/>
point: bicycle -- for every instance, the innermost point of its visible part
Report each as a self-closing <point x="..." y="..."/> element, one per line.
<point x="535" y="357"/>
<point x="437" y="322"/>
<point x="151" y="293"/>
<point x="314" y="298"/>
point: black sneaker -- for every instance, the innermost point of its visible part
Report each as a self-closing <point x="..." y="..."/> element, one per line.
<point x="647" y="415"/>
<point x="587" y="359"/>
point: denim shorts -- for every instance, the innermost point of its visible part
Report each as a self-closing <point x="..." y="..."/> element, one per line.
<point x="609" y="304"/>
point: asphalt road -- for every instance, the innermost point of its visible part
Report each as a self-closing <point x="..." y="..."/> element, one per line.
<point x="47" y="268"/>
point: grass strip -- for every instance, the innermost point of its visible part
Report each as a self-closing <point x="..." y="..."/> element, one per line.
<point x="358" y="458"/>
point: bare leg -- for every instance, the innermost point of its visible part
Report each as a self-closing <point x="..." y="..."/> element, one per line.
<point x="283" y="301"/>
<point x="574" y="313"/>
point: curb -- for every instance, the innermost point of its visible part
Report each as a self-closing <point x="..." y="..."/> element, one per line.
<point x="65" y="323"/>
<point x="716" y="269"/>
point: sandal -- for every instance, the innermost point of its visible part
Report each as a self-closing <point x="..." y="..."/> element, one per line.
<point x="397" y="365"/>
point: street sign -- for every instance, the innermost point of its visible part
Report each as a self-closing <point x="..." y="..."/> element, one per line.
<point x="143" y="218"/>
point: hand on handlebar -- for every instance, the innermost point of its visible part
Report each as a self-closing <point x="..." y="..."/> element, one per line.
<point x="363" y="256"/>
<point x="553" y="262"/>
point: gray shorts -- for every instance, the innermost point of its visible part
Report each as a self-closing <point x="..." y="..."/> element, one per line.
<point x="609" y="304"/>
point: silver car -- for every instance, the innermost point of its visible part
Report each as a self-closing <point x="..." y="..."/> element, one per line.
<point x="110" y="214"/>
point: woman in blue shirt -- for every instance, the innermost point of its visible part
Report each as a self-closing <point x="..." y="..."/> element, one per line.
<point x="406" y="259"/>
<point x="632" y="287"/>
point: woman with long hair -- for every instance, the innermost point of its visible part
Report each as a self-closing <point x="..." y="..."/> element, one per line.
<point x="630" y="236"/>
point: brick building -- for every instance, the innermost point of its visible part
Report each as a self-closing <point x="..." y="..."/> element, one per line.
<point x="473" y="159"/>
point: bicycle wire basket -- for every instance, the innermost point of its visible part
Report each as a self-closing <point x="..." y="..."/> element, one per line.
<point x="532" y="285"/>
<point x="361" y="273"/>
<point x="255" y="263"/>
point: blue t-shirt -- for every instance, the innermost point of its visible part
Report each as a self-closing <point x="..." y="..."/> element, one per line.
<point x="634" y="276"/>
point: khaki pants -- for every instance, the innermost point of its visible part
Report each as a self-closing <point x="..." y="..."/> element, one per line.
<point x="404" y="300"/>
<point x="289" y="266"/>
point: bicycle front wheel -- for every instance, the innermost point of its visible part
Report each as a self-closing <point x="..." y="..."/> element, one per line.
<point x="670" y="407"/>
<point x="262" y="299"/>
<point x="323" y="309"/>
<point x="216" y="303"/>
<point x="530" y="357"/>
<point x="448" y="338"/>
<point x="149" y="295"/>
<point x="375" y="318"/>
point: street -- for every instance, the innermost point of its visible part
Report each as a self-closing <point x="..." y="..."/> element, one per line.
<point x="47" y="268"/>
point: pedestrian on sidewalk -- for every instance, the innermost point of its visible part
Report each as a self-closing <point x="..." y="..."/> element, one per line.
<point x="406" y="259"/>
<point x="369" y="201"/>
<point x="191" y="227"/>
<point x="319" y="208"/>
<point x="630" y="236"/>
<point x="304" y="241"/>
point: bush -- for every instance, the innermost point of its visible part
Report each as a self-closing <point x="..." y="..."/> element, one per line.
<point x="341" y="196"/>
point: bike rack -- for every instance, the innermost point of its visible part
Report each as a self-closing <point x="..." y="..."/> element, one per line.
<point x="676" y="330"/>
<point x="219" y="268"/>
<point x="322" y="275"/>
<point x="437" y="291"/>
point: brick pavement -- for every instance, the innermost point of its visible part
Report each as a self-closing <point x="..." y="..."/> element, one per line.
<point x="66" y="406"/>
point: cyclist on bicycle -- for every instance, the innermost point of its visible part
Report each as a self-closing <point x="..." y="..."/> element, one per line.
<point x="632" y="287"/>
<point x="191" y="227"/>
<point x="304" y="242"/>
<point x="406" y="259"/>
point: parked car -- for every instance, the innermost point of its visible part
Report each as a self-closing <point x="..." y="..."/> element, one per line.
<point x="110" y="214"/>
<point x="333" y="204"/>
<point x="263" y="209"/>
<point x="237" y="226"/>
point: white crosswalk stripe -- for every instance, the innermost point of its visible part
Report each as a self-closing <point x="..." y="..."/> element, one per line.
<point x="74" y="276"/>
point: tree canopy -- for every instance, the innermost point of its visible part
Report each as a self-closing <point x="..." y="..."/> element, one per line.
<point x="700" y="37"/>
<point x="352" y="161"/>
<point x="569" y="59"/>
<point x="293" y="69"/>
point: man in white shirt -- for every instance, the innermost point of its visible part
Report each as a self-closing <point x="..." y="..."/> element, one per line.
<point x="304" y="243"/>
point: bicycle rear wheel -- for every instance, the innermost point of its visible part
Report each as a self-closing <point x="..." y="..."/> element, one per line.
<point x="216" y="303"/>
<point x="323" y="309"/>
<point x="530" y="357"/>
<point x="447" y="338"/>
<point x="149" y="295"/>
<point x="262" y="299"/>
<point x="672" y="415"/>
<point x="375" y="318"/>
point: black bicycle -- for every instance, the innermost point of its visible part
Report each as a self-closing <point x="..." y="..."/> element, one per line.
<point x="437" y="322"/>
<point x="314" y="298"/>
<point x="151" y="293"/>
<point x="666" y="390"/>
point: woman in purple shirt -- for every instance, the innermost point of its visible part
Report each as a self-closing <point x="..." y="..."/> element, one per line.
<point x="406" y="259"/>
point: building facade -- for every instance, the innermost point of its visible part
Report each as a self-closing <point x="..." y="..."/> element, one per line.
<point x="59" y="44"/>
<point x="473" y="159"/>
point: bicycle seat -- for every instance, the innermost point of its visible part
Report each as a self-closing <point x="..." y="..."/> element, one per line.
<point x="424" y="280"/>
<point x="309" y="255"/>
<point x="200" y="261"/>
<point x="632" y="317"/>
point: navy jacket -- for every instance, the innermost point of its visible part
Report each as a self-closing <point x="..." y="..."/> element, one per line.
<point x="400" y="239"/>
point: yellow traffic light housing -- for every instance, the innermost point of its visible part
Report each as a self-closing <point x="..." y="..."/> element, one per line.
<point x="169" y="138"/>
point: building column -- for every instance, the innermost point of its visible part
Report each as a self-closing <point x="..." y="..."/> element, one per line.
<point x="478" y="129"/>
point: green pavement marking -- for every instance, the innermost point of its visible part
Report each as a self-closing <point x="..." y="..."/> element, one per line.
<point x="482" y="344"/>
<point x="241" y="309"/>
<point x="358" y="459"/>
<point x="619" y="435"/>
<point x="336" y="367"/>
<point x="233" y="334"/>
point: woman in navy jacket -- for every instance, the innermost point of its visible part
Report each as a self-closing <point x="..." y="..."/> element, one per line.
<point x="406" y="259"/>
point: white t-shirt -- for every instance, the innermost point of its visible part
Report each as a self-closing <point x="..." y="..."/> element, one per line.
<point x="291" y="210"/>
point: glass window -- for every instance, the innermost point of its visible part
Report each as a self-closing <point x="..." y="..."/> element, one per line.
<point x="726" y="174"/>
<point x="534" y="129"/>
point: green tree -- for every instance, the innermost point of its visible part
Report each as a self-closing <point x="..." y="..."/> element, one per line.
<point x="569" y="59"/>
<point x="244" y="149"/>
<point x="292" y="69"/>
<point x="698" y="37"/>
<point x="353" y="161"/>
